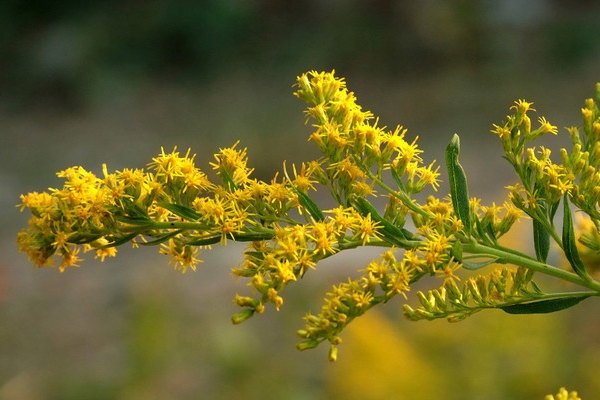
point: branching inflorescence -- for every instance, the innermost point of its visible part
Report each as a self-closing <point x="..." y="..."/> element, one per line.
<point x="175" y="205"/>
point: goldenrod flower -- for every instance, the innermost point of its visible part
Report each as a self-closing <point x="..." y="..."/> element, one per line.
<point x="172" y="203"/>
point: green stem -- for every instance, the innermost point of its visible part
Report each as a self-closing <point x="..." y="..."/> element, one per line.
<point x="506" y="257"/>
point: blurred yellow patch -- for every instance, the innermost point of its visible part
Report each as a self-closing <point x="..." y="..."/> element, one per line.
<point x="378" y="363"/>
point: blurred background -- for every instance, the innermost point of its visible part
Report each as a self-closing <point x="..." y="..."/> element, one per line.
<point x="90" y="82"/>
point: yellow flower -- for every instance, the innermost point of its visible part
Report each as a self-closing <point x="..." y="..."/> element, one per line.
<point x="366" y="229"/>
<point x="232" y="164"/>
<point x="303" y="180"/>
<point x="502" y="131"/>
<point x="408" y="153"/>
<point x="167" y="166"/>
<point x="522" y="106"/>
<point x="546" y="127"/>
<point x="428" y="176"/>
<point x="448" y="271"/>
<point x="182" y="256"/>
<point x="344" y="218"/>
<point x="322" y="235"/>
<point x="70" y="258"/>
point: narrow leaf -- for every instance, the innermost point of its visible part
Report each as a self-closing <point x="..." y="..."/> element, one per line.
<point x="204" y="241"/>
<point x="458" y="184"/>
<point x="569" y="244"/>
<point x="161" y="239"/>
<point x="541" y="241"/>
<point x="181" y="211"/>
<point x="133" y="210"/>
<point x="544" y="306"/>
<point x="135" y="221"/>
<point x="397" y="179"/>
<point x="119" y="240"/>
<point x="228" y="181"/>
<point x="473" y="265"/>
<point x="83" y="239"/>
<point x="553" y="209"/>
<point x="481" y="232"/>
<point x="489" y="229"/>
<point x="252" y="236"/>
<point x="310" y="206"/>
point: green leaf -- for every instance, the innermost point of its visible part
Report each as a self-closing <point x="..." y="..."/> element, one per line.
<point x="161" y="239"/>
<point x="308" y="203"/>
<point x="553" y="209"/>
<point x="473" y="265"/>
<point x="238" y="237"/>
<point x="227" y="179"/>
<point x="489" y="229"/>
<point x="119" y="240"/>
<point x="544" y="306"/>
<point x="397" y="179"/>
<point x="252" y="236"/>
<point x="481" y="232"/>
<point x="181" y="211"/>
<point x="458" y="184"/>
<point x="133" y="210"/>
<point x="135" y="221"/>
<point x="541" y="241"/>
<point x="83" y="239"/>
<point x="205" y="241"/>
<point x="569" y="244"/>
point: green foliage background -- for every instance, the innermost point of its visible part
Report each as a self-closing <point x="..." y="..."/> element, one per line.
<point x="91" y="82"/>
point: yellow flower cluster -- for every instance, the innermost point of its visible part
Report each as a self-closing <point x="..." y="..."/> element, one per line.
<point x="544" y="182"/>
<point x="173" y="204"/>
<point x="296" y="248"/>
<point x="563" y="394"/>
<point x="584" y="160"/>
<point x="63" y="219"/>
<point x="383" y="278"/>
<point x="353" y="143"/>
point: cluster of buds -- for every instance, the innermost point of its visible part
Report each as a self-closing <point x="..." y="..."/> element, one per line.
<point x="499" y="289"/>
<point x="295" y="249"/>
<point x="563" y="394"/>
<point x="383" y="279"/>
<point x="352" y="142"/>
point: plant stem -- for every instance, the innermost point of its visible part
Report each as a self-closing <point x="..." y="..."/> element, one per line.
<point x="506" y="257"/>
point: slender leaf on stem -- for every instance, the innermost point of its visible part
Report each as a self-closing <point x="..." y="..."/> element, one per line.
<point x="475" y="265"/>
<point x="161" y="239"/>
<point x="204" y="241"/>
<point x="397" y="179"/>
<point x="458" y="184"/>
<point x="569" y="244"/>
<point x="310" y="206"/>
<point x="541" y="241"/>
<point x="181" y="211"/>
<point x="545" y="306"/>
<point x="117" y="240"/>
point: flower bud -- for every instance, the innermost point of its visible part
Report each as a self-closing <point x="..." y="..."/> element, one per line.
<point x="333" y="351"/>
<point x="242" y="316"/>
<point x="307" y="344"/>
